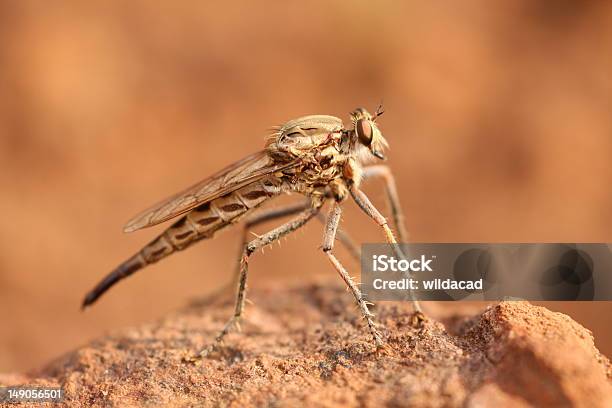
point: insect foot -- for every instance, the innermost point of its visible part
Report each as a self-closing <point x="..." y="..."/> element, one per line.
<point x="417" y="319"/>
<point x="231" y="325"/>
<point x="383" y="349"/>
<point x="376" y="335"/>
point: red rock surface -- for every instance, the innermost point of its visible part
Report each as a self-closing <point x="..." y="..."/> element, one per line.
<point x="306" y="346"/>
<point x="498" y="120"/>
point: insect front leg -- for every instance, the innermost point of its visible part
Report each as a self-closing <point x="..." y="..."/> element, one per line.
<point x="333" y="219"/>
<point x="366" y="205"/>
<point x="248" y="250"/>
<point x="384" y="171"/>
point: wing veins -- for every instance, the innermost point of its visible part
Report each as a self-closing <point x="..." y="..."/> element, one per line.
<point x="231" y="178"/>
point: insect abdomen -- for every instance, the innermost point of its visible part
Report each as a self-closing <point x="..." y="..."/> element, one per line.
<point x="201" y="223"/>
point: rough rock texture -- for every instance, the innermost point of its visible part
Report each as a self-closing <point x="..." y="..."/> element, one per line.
<point x="306" y="346"/>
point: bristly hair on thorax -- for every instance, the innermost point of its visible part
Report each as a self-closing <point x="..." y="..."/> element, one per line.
<point x="315" y="156"/>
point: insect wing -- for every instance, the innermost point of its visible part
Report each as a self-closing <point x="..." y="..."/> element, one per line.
<point x="231" y="178"/>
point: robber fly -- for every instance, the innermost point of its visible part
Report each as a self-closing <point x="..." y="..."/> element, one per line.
<point x="316" y="156"/>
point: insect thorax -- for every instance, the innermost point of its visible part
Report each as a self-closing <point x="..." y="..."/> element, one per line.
<point x="324" y="149"/>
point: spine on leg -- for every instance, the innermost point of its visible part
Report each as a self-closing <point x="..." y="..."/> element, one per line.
<point x="201" y="223"/>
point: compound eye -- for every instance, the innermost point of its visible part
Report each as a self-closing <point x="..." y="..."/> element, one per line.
<point x="364" y="131"/>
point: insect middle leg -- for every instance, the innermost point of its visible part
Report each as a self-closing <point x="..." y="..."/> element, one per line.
<point x="366" y="205"/>
<point x="270" y="215"/>
<point x="331" y="228"/>
<point x="345" y="240"/>
<point x="291" y="209"/>
<point x="253" y="246"/>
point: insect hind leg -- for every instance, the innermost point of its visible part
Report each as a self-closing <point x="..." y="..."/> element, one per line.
<point x="258" y="218"/>
<point x="270" y="215"/>
<point x="248" y="250"/>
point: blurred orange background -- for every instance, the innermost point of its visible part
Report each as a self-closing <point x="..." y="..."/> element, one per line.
<point x="499" y="120"/>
